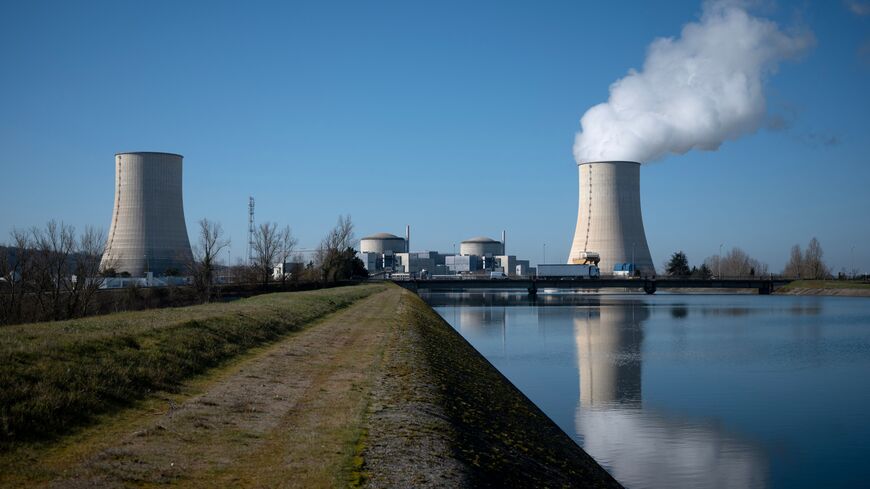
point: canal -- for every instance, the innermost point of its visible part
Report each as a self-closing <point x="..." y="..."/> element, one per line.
<point x="680" y="391"/>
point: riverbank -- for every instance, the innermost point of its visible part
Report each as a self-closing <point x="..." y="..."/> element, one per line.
<point x="443" y="416"/>
<point x="842" y="288"/>
<point x="368" y="388"/>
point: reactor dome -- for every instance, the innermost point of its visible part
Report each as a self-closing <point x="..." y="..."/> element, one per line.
<point x="381" y="243"/>
<point x="481" y="246"/>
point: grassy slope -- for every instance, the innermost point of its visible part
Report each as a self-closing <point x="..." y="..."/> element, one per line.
<point x="56" y="376"/>
<point x="826" y="284"/>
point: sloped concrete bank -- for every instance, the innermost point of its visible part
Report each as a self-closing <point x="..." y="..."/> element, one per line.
<point x="442" y="416"/>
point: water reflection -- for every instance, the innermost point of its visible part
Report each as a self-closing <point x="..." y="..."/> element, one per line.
<point x="482" y="321"/>
<point x="608" y="342"/>
<point x="690" y="390"/>
<point x="641" y="447"/>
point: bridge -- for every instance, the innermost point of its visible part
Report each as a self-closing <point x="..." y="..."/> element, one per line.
<point x="764" y="286"/>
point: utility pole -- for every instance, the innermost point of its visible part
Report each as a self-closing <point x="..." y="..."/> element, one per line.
<point x="250" y="230"/>
<point x="852" y="262"/>
<point x="719" y="273"/>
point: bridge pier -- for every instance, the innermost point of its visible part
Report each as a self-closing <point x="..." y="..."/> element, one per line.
<point x="765" y="288"/>
<point x="533" y="289"/>
<point x="649" y="286"/>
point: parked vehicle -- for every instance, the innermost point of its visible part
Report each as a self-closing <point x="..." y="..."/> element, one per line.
<point x="562" y="271"/>
<point x="624" y="270"/>
<point x="497" y="275"/>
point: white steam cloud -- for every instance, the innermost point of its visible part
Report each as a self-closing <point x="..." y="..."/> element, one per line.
<point x="694" y="92"/>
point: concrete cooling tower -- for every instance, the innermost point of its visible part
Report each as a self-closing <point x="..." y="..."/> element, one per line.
<point x="609" y="220"/>
<point x="148" y="233"/>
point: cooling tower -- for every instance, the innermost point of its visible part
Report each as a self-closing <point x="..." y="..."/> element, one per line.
<point x="609" y="221"/>
<point x="148" y="233"/>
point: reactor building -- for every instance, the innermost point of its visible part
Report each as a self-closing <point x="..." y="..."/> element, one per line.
<point x="388" y="254"/>
<point x="148" y="232"/>
<point x="609" y="220"/>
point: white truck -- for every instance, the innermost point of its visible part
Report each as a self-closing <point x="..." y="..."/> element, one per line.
<point x="562" y="271"/>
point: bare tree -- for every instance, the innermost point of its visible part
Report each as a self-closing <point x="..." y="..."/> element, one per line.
<point x="339" y="238"/>
<point x="267" y="247"/>
<point x="285" y="249"/>
<point x="17" y="274"/>
<point x="86" y="271"/>
<point x="736" y="263"/>
<point x="813" y="265"/>
<point x="53" y="246"/>
<point x="210" y="243"/>
<point x="795" y="265"/>
<point x="8" y="283"/>
<point x="336" y="258"/>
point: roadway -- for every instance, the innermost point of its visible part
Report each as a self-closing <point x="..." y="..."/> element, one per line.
<point x="648" y="285"/>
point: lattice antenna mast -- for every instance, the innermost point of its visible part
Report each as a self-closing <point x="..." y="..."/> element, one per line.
<point x="250" y="230"/>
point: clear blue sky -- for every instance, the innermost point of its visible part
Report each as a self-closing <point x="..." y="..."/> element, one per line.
<point x="457" y="119"/>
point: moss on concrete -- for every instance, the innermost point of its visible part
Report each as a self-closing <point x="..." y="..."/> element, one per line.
<point x="442" y="415"/>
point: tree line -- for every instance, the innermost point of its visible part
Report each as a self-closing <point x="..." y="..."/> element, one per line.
<point x="274" y="257"/>
<point x="737" y="263"/>
<point x="50" y="273"/>
<point x="807" y="264"/>
<point x="54" y="273"/>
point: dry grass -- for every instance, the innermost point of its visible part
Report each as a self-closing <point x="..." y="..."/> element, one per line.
<point x="827" y="284"/>
<point x="58" y="376"/>
<point x="283" y="415"/>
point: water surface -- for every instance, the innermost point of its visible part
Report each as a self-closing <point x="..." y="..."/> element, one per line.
<point x="672" y="391"/>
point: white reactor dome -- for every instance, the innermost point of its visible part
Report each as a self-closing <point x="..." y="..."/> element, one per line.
<point x="481" y="246"/>
<point x="382" y="243"/>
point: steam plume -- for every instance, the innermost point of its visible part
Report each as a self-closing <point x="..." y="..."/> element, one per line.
<point x="694" y="92"/>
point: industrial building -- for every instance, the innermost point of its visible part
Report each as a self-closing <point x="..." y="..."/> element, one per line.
<point x="483" y="254"/>
<point x="385" y="253"/>
<point x="148" y="233"/>
<point x="481" y="246"/>
<point x="379" y="251"/>
<point x="609" y="220"/>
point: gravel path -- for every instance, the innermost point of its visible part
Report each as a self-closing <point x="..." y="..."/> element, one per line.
<point x="288" y="417"/>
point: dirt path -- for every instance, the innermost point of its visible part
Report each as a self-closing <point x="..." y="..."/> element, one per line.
<point x="288" y="417"/>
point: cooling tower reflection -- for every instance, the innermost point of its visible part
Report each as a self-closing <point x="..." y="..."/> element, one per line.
<point x="608" y="341"/>
<point x="637" y="443"/>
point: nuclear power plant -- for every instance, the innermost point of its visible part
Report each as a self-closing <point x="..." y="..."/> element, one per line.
<point x="389" y="255"/>
<point x="609" y="220"/>
<point x="148" y="232"/>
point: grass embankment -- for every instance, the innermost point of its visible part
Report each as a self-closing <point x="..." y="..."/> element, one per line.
<point x="381" y="394"/>
<point x="443" y="416"/>
<point x="827" y="284"/>
<point x="826" y="287"/>
<point x="57" y="376"/>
